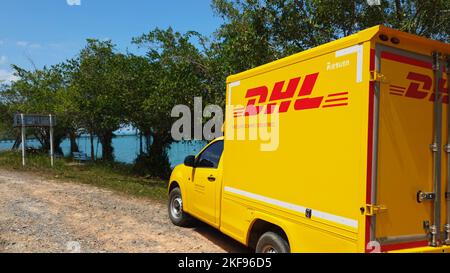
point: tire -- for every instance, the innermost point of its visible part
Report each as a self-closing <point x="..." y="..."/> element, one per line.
<point x="271" y="242"/>
<point x="175" y="207"/>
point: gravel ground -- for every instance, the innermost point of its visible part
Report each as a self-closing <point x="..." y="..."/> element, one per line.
<point x="41" y="215"/>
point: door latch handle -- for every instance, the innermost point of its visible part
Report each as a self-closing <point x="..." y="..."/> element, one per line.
<point x="211" y="178"/>
<point x="425" y="196"/>
<point x="372" y="210"/>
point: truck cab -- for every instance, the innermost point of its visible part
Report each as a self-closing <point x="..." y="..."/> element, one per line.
<point x="195" y="191"/>
<point x="197" y="185"/>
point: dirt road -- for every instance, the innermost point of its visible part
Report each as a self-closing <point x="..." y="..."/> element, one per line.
<point x="41" y="215"/>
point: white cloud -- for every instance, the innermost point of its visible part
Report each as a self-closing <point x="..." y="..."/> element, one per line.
<point x="28" y="44"/>
<point x="73" y="2"/>
<point x="22" y="43"/>
<point x="35" y="46"/>
<point x="3" y="59"/>
<point x="7" y="76"/>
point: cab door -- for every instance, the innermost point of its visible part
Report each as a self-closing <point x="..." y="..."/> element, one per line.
<point x="206" y="183"/>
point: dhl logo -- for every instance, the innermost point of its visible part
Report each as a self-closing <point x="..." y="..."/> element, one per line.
<point x="260" y="101"/>
<point x="420" y="88"/>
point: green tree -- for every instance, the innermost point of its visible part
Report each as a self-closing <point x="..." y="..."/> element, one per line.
<point x="97" y="93"/>
<point x="6" y="130"/>
<point x="177" y="71"/>
<point x="39" y="92"/>
<point x="137" y="80"/>
<point x="68" y="110"/>
<point x="258" y="31"/>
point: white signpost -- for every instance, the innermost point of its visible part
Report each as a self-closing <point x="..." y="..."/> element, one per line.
<point x="33" y="121"/>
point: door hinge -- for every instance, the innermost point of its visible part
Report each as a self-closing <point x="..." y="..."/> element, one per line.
<point x="447" y="234"/>
<point x="372" y="210"/>
<point x="447" y="148"/>
<point x="377" y="77"/>
<point x="434" y="147"/>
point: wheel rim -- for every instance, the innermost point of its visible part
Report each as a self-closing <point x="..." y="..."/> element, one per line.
<point x="176" y="207"/>
<point x="269" y="249"/>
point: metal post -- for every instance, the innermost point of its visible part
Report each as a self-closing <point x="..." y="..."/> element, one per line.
<point x="375" y="134"/>
<point x="447" y="194"/>
<point x="51" y="140"/>
<point x="23" y="138"/>
<point x="435" y="229"/>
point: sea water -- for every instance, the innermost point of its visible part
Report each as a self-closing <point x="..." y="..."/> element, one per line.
<point x="126" y="148"/>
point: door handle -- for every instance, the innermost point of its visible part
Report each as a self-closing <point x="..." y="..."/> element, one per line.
<point x="211" y="178"/>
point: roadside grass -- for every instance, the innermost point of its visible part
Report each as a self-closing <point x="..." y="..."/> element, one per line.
<point x="114" y="176"/>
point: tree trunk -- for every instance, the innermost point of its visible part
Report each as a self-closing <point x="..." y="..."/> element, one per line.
<point x="43" y="136"/>
<point x="148" y="141"/>
<point x="73" y="143"/>
<point x="158" y="152"/>
<point x="141" y="148"/>
<point x="154" y="161"/>
<point x="157" y="146"/>
<point x="17" y="143"/>
<point x="92" y="146"/>
<point x="399" y="10"/>
<point x="107" y="148"/>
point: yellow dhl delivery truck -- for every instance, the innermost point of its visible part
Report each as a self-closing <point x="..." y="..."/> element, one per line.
<point x="354" y="158"/>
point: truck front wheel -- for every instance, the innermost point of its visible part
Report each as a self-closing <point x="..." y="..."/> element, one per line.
<point x="271" y="242"/>
<point x="176" y="213"/>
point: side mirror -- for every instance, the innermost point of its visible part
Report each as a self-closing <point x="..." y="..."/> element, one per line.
<point x="189" y="161"/>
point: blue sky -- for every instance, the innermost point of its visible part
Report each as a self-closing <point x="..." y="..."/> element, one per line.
<point x="45" y="32"/>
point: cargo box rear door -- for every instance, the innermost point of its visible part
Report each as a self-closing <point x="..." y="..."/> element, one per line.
<point x="405" y="159"/>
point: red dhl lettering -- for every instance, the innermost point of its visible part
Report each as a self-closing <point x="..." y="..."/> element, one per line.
<point x="259" y="100"/>
<point x="420" y="87"/>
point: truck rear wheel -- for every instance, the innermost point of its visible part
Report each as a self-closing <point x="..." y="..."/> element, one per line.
<point x="271" y="242"/>
<point x="176" y="213"/>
